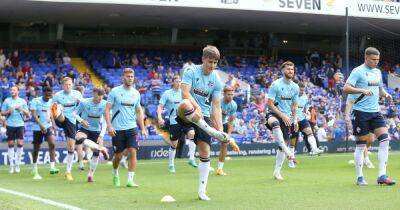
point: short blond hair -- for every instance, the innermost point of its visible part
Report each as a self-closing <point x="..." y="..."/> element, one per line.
<point x="65" y="79"/>
<point x="228" y="88"/>
<point x="211" y="52"/>
<point x="129" y="71"/>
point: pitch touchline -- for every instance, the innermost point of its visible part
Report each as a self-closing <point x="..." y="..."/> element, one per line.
<point x="235" y="158"/>
<point x="42" y="200"/>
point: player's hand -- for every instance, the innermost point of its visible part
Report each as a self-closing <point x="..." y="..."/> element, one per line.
<point x="234" y="146"/>
<point x="12" y="109"/>
<point x="161" y="123"/>
<point x="296" y="126"/>
<point x="144" y="133"/>
<point x="100" y="141"/>
<point x="43" y="129"/>
<point x="85" y="124"/>
<point x="368" y="92"/>
<point x="111" y="131"/>
<point x="388" y="96"/>
<point x="286" y="120"/>
<point x="18" y="107"/>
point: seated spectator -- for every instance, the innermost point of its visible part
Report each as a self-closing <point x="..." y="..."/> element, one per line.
<point x="72" y="75"/>
<point x="241" y="128"/>
<point x="27" y="69"/>
<point x="134" y="60"/>
<point x="238" y="62"/>
<point x="147" y="63"/>
<point x="19" y="75"/>
<point x="126" y="60"/>
<point x="223" y="62"/>
<point x="42" y="59"/>
<point x="152" y="74"/>
<point x="49" y="80"/>
<point x="86" y="77"/>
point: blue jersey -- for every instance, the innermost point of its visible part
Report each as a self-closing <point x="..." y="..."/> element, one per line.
<point x="42" y="109"/>
<point x="284" y="95"/>
<point x="204" y="88"/>
<point x="92" y="112"/>
<point x="171" y="99"/>
<point x="16" y="118"/>
<point x="364" y="77"/>
<point x="124" y="104"/>
<point x="69" y="101"/>
<point x="302" y="106"/>
<point x="228" y="110"/>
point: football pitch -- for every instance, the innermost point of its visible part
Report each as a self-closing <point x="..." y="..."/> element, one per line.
<point x="325" y="182"/>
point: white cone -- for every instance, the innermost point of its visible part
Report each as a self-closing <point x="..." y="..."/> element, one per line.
<point x="168" y="199"/>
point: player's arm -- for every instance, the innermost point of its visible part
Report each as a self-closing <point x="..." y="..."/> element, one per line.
<point x="160" y="109"/>
<point x="24" y="109"/>
<point x="102" y="132"/>
<point x="186" y="95"/>
<point x="217" y="113"/>
<point x="350" y="88"/>
<point x="4" y="109"/>
<point x="140" y="119"/>
<point x="347" y="110"/>
<point x="294" y="114"/>
<point x="107" y="116"/>
<point x="186" y="86"/>
<point x="231" y="124"/>
<point x="383" y="93"/>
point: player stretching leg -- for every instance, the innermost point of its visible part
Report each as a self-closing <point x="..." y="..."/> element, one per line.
<point x="282" y="118"/>
<point x="201" y="89"/>
<point x="366" y="81"/>
<point x="65" y="117"/>
<point x="93" y="127"/>
<point x="304" y="126"/>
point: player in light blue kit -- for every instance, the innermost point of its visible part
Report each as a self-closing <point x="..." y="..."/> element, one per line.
<point x="366" y="81"/>
<point x="43" y="128"/>
<point x="201" y="89"/>
<point x="15" y="109"/>
<point x="91" y="135"/>
<point x="304" y="126"/>
<point x="348" y="116"/>
<point x="124" y="102"/>
<point x="63" y="112"/>
<point x="228" y="108"/>
<point x="282" y="117"/>
<point x="170" y="100"/>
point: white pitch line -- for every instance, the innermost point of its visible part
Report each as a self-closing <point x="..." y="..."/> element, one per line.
<point x="43" y="200"/>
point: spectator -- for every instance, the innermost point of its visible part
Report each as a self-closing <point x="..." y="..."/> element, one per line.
<point x="15" y="60"/>
<point x="72" y="75"/>
<point x="27" y="69"/>
<point x="42" y="59"/>
<point x="156" y="87"/>
<point x="86" y="77"/>
<point x="134" y="60"/>
<point x="49" y="80"/>
<point x="66" y="59"/>
<point x="2" y="60"/>
<point x="188" y="64"/>
<point x="152" y="74"/>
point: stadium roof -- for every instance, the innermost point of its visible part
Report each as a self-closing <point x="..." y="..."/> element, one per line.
<point x="114" y="15"/>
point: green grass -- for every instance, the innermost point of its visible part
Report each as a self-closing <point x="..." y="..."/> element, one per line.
<point x="326" y="182"/>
